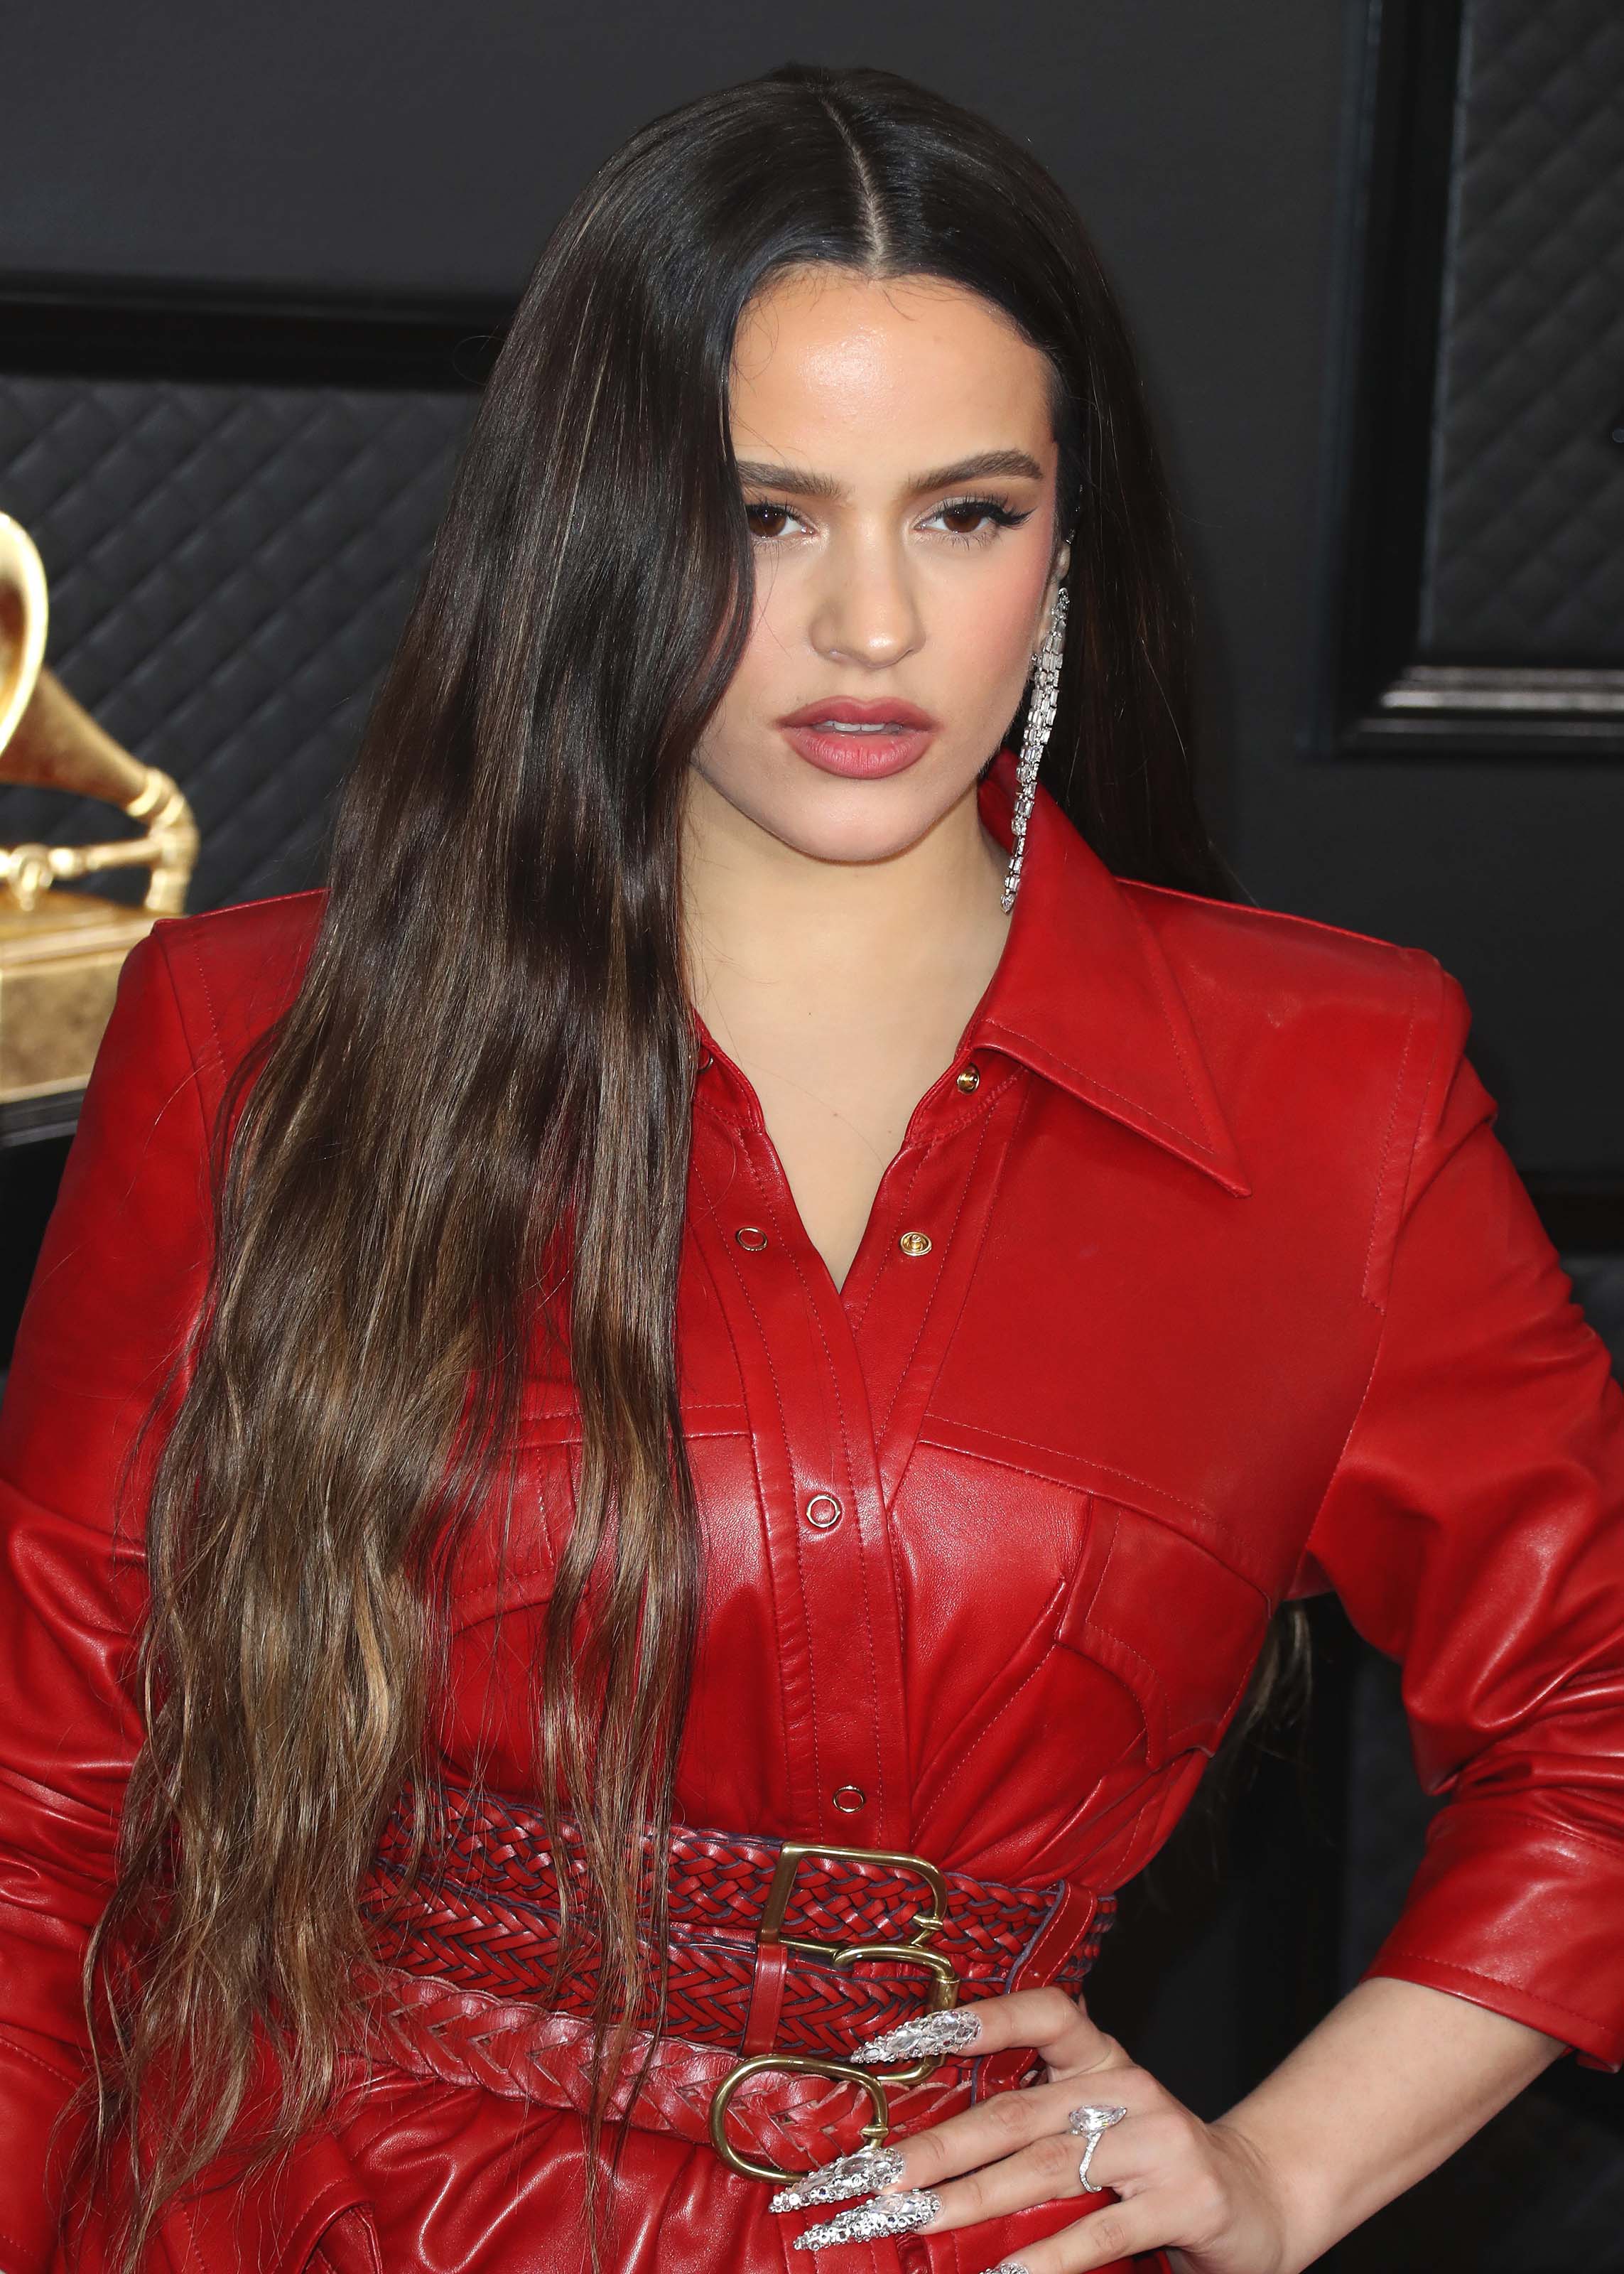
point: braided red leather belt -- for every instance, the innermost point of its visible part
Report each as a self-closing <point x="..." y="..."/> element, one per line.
<point x="764" y="1939"/>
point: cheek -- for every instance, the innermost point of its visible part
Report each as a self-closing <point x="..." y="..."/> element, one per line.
<point x="780" y="626"/>
<point x="776" y="634"/>
<point x="765" y="683"/>
<point x="984" y="630"/>
<point x="998" y="623"/>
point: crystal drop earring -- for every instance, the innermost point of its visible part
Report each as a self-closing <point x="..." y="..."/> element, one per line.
<point x="1040" y="718"/>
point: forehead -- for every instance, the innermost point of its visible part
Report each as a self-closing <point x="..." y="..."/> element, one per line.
<point x="830" y="361"/>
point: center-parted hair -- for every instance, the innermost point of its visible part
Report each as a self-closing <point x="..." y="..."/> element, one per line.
<point x="471" y="1126"/>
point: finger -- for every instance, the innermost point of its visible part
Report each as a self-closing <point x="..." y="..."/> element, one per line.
<point x="1058" y="2027"/>
<point x="1147" y="2151"/>
<point x="1121" y="2230"/>
<point x="984" y="2137"/>
<point x="1066" y="2034"/>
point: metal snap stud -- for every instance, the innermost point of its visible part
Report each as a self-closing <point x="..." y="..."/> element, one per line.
<point x="751" y="1236"/>
<point x="849" y="1798"/>
<point x="824" y="1511"/>
<point x="914" y="1243"/>
<point x="969" y="1077"/>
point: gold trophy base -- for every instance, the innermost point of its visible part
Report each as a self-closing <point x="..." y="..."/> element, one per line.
<point x="59" y="965"/>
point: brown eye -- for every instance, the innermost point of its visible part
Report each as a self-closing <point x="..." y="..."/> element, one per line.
<point x="767" y="520"/>
<point x="969" y="519"/>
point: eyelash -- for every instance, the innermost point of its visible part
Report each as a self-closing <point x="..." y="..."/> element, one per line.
<point x="1001" y="515"/>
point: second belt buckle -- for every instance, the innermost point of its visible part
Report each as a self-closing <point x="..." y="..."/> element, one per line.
<point x="944" y="1986"/>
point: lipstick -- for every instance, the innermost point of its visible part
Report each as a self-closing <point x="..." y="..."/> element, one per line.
<point x="864" y="740"/>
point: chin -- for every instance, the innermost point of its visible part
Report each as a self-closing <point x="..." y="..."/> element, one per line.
<point x="829" y="819"/>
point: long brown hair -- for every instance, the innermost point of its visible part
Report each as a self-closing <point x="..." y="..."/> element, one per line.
<point x="471" y="1125"/>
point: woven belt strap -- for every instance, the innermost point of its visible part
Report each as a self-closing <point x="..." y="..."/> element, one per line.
<point x="481" y="1916"/>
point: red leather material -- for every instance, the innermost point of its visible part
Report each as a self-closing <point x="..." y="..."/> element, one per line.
<point x="481" y="1912"/>
<point x="1232" y="1293"/>
<point x="761" y="2022"/>
<point x="1000" y="2072"/>
<point x="520" y="2051"/>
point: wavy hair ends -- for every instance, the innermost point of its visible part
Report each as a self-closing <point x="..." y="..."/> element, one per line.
<point x="471" y="1127"/>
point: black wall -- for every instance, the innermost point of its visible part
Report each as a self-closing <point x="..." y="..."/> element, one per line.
<point x="412" y="149"/>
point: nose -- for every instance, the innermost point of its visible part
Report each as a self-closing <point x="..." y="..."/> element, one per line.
<point x="867" y="610"/>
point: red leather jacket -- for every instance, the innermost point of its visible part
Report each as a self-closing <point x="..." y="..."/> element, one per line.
<point x="1230" y="1294"/>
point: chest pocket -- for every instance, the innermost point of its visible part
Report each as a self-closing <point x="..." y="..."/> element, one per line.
<point x="1169" y="1620"/>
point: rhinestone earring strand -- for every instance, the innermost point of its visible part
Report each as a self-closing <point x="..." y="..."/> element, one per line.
<point x="1040" y="718"/>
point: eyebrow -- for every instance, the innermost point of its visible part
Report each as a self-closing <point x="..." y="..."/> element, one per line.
<point x="802" y="482"/>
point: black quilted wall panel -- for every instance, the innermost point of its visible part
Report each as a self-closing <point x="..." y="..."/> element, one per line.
<point x="229" y="567"/>
<point x="1525" y="537"/>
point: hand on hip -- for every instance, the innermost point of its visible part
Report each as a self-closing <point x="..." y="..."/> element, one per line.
<point x="1098" y="2125"/>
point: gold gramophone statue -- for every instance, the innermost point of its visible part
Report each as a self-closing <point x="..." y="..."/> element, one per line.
<point x="60" y="953"/>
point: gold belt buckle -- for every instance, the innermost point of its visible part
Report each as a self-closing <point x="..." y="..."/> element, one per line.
<point x="944" y="1985"/>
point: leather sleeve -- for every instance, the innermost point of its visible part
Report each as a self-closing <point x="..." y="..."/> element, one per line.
<point x="117" y="1285"/>
<point x="1473" y="1529"/>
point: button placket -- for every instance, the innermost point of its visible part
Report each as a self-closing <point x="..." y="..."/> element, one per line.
<point x="808" y="1405"/>
<point x="897" y="1225"/>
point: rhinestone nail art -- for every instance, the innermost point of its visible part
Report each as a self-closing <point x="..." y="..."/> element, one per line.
<point x="1008" y="2266"/>
<point x="948" y="2031"/>
<point x="863" y="2172"/>
<point x="871" y="2222"/>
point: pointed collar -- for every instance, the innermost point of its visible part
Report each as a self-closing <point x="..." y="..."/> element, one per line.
<point x="1083" y="995"/>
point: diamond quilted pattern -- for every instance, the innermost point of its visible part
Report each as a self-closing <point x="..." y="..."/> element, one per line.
<point x="230" y="567"/>
<point x="1525" y="542"/>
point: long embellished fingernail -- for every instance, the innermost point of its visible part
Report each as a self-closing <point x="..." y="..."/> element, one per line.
<point x="871" y="2222"/>
<point x="863" y="2172"/>
<point x="1008" y="2266"/>
<point x="948" y="2031"/>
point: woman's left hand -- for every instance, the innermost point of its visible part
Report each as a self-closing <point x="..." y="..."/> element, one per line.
<point x="1195" y="2188"/>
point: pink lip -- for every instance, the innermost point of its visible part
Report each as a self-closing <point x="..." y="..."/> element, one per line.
<point x="864" y="757"/>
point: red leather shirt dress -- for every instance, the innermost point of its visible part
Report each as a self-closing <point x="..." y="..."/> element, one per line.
<point x="1201" y="1280"/>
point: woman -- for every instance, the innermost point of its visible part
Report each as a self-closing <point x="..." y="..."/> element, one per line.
<point x="744" y="1328"/>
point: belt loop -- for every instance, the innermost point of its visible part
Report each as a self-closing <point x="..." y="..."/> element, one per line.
<point x="761" y="2027"/>
<point x="1071" y="1919"/>
<point x="760" y="2053"/>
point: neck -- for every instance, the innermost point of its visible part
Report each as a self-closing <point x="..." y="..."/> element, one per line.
<point x="767" y="925"/>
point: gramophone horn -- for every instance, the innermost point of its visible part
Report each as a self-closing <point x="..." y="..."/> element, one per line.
<point x="46" y="741"/>
<point x="61" y="952"/>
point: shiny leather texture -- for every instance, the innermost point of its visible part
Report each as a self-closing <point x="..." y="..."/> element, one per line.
<point x="1230" y="1293"/>
<point x="745" y="1974"/>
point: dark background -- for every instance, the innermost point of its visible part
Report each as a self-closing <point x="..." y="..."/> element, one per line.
<point x="412" y="151"/>
<point x="350" y="195"/>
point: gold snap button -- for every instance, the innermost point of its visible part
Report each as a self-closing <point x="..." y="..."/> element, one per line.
<point x="849" y="1798"/>
<point x="914" y="1243"/>
<point x="751" y="1236"/>
<point x="824" y="1511"/>
<point x="969" y="1077"/>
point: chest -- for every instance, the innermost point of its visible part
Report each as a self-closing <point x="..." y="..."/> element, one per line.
<point x="993" y="1528"/>
<point x="837" y="1103"/>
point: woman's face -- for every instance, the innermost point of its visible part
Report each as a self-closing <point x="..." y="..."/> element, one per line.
<point x="899" y="467"/>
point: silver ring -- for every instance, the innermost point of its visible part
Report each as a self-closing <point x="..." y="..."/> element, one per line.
<point x="1092" y="2122"/>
